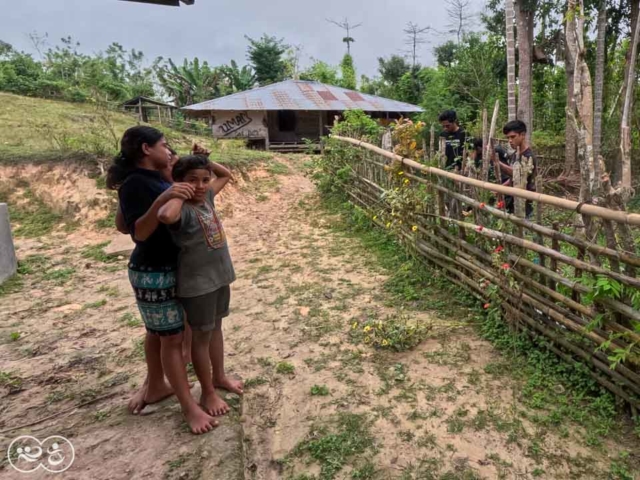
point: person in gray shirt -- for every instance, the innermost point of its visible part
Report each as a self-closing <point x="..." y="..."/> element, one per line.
<point x="205" y="272"/>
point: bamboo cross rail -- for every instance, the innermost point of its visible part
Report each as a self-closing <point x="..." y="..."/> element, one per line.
<point x="547" y="280"/>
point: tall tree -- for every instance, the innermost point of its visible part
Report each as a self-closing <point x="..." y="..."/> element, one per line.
<point x="240" y="79"/>
<point x="392" y="69"/>
<point x="581" y="105"/>
<point x="321" y="72"/>
<point x="266" y="58"/>
<point x="347" y="27"/>
<point x="348" y="72"/>
<point x="511" y="60"/>
<point x="625" y="127"/>
<point x="459" y="17"/>
<point x="525" y="14"/>
<point x="414" y="38"/>
<point x="598" y="100"/>
<point x="192" y="82"/>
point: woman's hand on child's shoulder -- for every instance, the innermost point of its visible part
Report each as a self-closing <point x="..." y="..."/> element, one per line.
<point x="181" y="190"/>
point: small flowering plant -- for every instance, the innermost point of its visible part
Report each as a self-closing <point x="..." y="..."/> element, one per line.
<point x="397" y="334"/>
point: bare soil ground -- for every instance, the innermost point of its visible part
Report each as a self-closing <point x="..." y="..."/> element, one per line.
<point x="317" y="403"/>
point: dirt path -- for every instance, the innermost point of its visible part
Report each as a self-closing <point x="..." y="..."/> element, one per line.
<point x="318" y="403"/>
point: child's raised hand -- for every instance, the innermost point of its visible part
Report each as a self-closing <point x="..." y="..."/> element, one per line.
<point x="199" y="150"/>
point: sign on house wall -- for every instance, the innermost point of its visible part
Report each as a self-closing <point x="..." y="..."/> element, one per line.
<point x="240" y="125"/>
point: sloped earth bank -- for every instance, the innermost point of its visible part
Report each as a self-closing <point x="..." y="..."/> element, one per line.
<point x="316" y="404"/>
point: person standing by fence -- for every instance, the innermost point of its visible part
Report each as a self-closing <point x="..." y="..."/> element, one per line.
<point x="455" y="139"/>
<point x="516" y="133"/>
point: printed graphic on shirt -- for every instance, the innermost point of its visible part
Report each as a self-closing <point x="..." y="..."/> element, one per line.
<point x="211" y="226"/>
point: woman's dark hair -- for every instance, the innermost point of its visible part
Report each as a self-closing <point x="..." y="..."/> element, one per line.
<point x="517" y="126"/>
<point x="188" y="163"/>
<point x="448" y="116"/>
<point x="131" y="153"/>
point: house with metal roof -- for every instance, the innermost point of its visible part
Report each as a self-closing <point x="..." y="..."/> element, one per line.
<point x="283" y="115"/>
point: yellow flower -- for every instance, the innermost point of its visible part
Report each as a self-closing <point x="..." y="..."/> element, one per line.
<point x="414" y="228"/>
<point x="406" y="181"/>
<point x="389" y="225"/>
<point x="367" y="339"/>
<point x="385" y="343"/>
<point x="375" y="217"/>
<point x="367" y="328"/>
<point x="400" y="172"/>
<point x="354" y="326"/>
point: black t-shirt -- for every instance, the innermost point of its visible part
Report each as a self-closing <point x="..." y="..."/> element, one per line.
<point x="455" y="143"/>
<point x="137" y="194"/>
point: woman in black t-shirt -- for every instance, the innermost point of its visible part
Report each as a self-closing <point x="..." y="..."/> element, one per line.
<point x="142" y="190"/>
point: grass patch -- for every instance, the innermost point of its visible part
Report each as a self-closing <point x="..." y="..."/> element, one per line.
<point x="130" y="320"/>
<point x="59" y="276"/>
<point x="320" y="391"/>
<point x="285" y="368"/>
<point x="109" y="291"/>
<point x="277" y="168"/>
<point x="94" y="305"/>
<point x="14" y="336"/>
<point x="32" y="217"/>
<point x="96" y="253"/>
<point x="10" y="381"/>
<point x="396" y="333"/>
<point x="255" y="382"/>
<point x="334" y="445"/>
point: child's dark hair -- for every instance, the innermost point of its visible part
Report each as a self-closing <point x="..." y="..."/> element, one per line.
<point x="448" y="116"/>
<point x="131" y="153"/>
<point x="517" y="126"/>
<point x="477" y="143"/>
<point x="188" y="163"/>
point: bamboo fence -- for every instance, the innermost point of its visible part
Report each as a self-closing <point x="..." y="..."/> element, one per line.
<point x="576" y="293"/>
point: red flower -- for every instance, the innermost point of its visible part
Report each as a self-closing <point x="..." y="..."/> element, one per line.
<point x="482" y="205"/>
<point x="479" y="228"/>
<point x="498" y="249"/>
<point x="505" y="266"/>
<point x="486" y="306"/>
<point x="500" y="205"/>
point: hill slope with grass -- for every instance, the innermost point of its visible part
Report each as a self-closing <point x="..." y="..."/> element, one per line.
<point x="53" y="158"/>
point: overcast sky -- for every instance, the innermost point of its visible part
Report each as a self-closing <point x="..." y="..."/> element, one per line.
<point x="214" y="30"/>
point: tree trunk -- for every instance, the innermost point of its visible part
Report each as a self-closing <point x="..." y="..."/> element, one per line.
<point x="582" y="113"/>
<point x="625" y="128"/>
<point x="511" y="61"/>
<point x="570" y="160"/>
<point x="618" y="166"/>
<point x="525" y="10"/>
<point x="598" y="99"/>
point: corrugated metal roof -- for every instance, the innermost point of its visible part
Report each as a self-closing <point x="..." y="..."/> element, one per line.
<point x="303" y="95"/>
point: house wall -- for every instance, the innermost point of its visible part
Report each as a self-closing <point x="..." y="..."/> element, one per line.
<point x="247" y="124"/>
<point x="307" y="125"/>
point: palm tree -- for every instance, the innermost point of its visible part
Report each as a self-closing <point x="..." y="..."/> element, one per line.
<point x="192" y="82"/>
<point x="240" y="79"/>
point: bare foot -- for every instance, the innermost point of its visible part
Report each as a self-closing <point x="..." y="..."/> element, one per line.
<point x="230" y="385"/>
<point x="158" y="393"/>
<point x="137" y="403"/>
<point x="213" y="404"/>
<point x="199" y="421"/>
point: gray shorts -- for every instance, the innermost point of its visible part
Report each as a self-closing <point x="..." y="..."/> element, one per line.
<point x="205" y="313"/>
